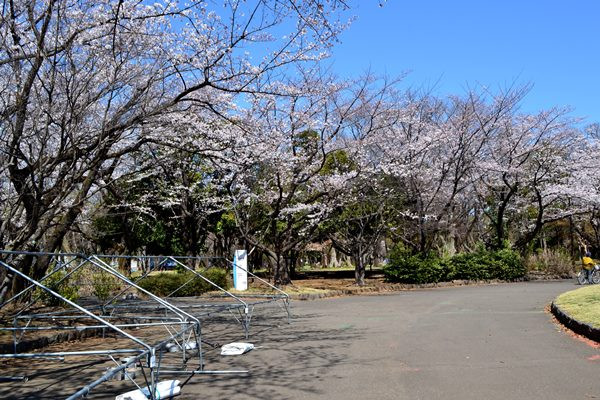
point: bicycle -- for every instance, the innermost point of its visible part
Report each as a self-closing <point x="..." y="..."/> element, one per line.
<point x="582" y="276"/>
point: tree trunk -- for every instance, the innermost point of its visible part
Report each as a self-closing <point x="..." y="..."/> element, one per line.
<point x="28" y="266"/>
<point x="571" y="237"/>
<point x="359" y="269"/>
<point x="292" y="260"/>
<point x="333" y="259"/>
<point x="281" y="275"/>
<point x="5" y="280"/>
<point x="499" y="226"/>
<point x="524" y="242"/>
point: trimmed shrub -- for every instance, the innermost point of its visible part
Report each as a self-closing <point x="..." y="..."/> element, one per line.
<point x="404" y="267"/>
<point x="165" y="283"/>
<point x="511" y="265"/>
<point x="504" y="264"/>
<point x="472" y="266"/>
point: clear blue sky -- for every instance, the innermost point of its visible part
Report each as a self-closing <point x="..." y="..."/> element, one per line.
<point x="453" y="44"/>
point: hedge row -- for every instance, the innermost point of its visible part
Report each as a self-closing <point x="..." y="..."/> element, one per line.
<point x="165" y="283"/>
<point x="502" y="264"/>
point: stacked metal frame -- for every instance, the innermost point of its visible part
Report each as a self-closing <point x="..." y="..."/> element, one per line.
<point x="151" y="325"/>
<point x="240" y="305"/>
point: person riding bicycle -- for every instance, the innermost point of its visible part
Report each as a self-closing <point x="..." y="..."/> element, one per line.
<point x="587" y="263"/>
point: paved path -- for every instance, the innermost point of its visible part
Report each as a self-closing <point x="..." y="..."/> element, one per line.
<point x="477" y="342"/>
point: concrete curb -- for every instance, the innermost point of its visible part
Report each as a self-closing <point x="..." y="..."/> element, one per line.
<point x="576" y="326"/>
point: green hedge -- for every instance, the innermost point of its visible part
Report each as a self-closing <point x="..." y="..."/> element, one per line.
<point x="502" y="264"/>
<point x="165" y="283"/>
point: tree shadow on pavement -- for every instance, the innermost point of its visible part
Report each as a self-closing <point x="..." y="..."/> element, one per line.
<point x="287" y="361"/>
<point x="285" y="365"/>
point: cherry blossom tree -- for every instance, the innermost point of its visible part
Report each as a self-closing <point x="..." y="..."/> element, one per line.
<point x="359" y="223"/>
<point x="580" y="187"/>
<point x="292" y="176"/>
<point x="461" y="164"/>
<point x="84" y="84"/>
<point x="524" y="163"/>
<point x="429" y="157"/>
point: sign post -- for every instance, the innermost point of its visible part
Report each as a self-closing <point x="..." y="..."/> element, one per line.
<point x="240" y="270"/>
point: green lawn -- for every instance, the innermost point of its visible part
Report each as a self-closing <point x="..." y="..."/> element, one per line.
<point x="582" y="304"/>
<point x="137" y="274"/>
<point x="288" y="289"/>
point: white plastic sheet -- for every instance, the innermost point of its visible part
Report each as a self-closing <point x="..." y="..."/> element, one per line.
<point x="164" y="390"/>
<point x="235" y="349"/>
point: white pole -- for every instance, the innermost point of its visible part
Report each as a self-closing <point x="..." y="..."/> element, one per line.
<point x="240" y="268"/>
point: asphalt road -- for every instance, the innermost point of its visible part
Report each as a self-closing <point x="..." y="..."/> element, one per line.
<point x="476" y="342"/>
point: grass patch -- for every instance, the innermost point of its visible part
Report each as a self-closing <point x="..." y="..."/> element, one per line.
<point x="582" y="304"/>
<point x="252" y="290"/>
<point x="303" y="290"/>
<point x="137" y="274"/>
<point x="307" y="268"/>
<point x="287" y="289"/>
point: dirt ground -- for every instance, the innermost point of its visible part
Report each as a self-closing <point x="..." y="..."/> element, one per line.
<point x="53" y="378"/>
<point x="336" y="284"/>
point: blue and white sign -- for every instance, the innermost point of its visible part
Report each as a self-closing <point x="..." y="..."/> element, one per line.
<point x="134" y="265"/>
<point x="240" y="270"/>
